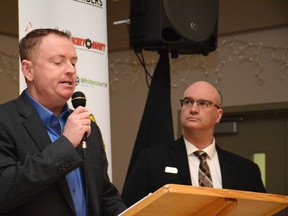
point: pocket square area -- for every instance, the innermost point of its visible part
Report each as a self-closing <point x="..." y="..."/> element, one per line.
<point x="172" y="170"/>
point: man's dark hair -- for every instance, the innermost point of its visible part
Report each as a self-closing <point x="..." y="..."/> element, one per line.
<point x="32" y="40"/>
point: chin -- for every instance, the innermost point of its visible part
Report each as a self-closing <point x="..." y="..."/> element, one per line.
<point x="67" y="96"/>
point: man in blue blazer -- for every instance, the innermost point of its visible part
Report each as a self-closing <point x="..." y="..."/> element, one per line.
<point x="42" y="171"/>
<point x="201" y="110"/>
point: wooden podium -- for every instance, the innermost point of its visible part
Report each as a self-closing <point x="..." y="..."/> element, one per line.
<point x="183" y="200"/>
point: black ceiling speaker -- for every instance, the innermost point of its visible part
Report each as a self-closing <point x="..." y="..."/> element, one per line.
<point x="177" y="26"/>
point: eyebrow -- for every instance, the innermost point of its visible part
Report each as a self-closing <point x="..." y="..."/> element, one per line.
<point x="63" y="56"/>
<point x="197" y="99"/>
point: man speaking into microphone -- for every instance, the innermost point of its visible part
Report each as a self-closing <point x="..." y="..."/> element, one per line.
<point x="42" y="170"/>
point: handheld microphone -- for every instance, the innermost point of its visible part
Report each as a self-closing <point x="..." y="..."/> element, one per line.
<point x="79" y="99"/>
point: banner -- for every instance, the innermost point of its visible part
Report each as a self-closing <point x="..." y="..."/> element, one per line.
<point x="86" y="20"/>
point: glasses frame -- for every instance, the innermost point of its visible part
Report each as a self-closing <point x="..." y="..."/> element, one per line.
<point x="210" y="103"/>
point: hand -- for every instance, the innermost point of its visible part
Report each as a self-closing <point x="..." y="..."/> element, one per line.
<point x="78" y="123"/>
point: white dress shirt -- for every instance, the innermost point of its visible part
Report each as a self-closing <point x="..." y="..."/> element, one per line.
<point x="212" y="161"/>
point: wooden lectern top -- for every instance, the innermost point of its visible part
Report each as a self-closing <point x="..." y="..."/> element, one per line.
<point x="183" y="200"/>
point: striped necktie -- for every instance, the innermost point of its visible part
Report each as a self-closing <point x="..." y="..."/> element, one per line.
<point x="204" y="175"/>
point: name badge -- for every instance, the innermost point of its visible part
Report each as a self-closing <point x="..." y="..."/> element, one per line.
<point x="172" y="170"/>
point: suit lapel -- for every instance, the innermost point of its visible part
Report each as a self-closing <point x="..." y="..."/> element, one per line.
<point x="38" y="133"/>
<point x="178" y="154"/>
<point x="228" y="170"/>
<point x="32" y="122"/>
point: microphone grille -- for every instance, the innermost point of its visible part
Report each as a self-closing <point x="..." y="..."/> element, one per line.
<point x="78" y="99"/>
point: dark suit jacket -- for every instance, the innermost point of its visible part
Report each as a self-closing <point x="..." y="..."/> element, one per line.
<point x="149" y="174"/>
<point x="32" y="169"/>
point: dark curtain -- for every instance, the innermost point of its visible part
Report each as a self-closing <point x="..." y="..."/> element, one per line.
<point x="156" y="125"/>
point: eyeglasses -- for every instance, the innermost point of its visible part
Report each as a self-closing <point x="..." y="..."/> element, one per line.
<point x="204" y="104"/>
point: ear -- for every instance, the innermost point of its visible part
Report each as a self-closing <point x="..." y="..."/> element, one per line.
<point x="219" y="115"/>
<point x="27" y="69"/>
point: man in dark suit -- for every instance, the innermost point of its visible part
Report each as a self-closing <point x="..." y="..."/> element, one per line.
<point x="42" y="171"/>
<point x="176" y="162"/>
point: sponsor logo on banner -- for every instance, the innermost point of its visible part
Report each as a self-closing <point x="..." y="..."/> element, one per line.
<point x="96" y="3"/>
<point x="90" y="83"/>
<point x="88" y="45"/>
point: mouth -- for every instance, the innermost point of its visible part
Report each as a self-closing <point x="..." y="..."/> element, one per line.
<point x="66" y="83"/>
<point x="192" y="119"/>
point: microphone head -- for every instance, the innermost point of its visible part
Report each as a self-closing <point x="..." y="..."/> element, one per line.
<point x="78" y="99"/>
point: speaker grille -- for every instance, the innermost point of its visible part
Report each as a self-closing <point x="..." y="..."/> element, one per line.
<point x="182" y="27"/>
<point x="194" y="20"/>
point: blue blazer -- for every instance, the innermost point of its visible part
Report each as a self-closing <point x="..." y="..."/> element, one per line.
<point x="32" y="169"/>
<point x="149" y="174"/>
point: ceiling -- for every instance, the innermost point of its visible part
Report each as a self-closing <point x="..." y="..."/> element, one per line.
<point x="234" y="16"/>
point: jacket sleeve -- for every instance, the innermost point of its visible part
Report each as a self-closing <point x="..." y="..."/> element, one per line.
<point x="21" y="180"/>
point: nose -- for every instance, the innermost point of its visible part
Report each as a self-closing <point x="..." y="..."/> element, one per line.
<point x="70" y="67"/>
<point x="194" y="109"/>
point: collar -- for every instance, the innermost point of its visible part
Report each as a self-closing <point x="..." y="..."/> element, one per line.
<point x="210" y="150"/>
<point x="46" y="115"/>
